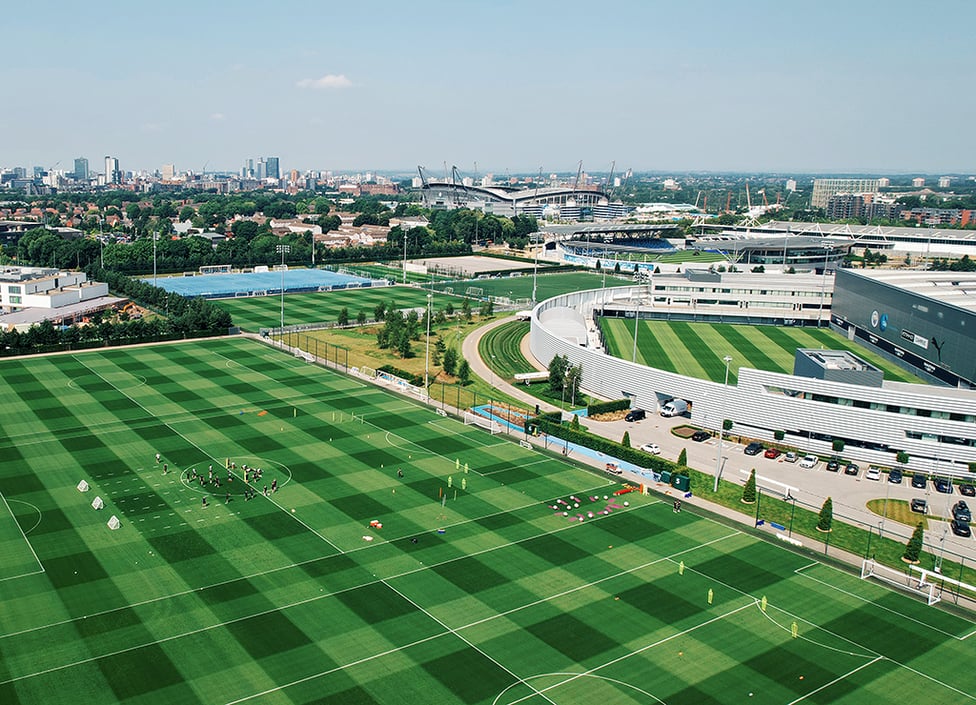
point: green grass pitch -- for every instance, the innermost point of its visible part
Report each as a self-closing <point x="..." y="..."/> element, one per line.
<point x="548" y="285"/>
<point x="255" y="312"/>
<point x="281" y="600"/>
<point x="697" y="349"/>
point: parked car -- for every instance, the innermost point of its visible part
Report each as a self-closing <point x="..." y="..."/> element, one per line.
<point x="635" y="415"/>
<point x="852" y="469"/>
<point x="754" y="448"/>
<point x="942" y="485"/>
<point x="809" y="461"/>
<point x="833" y="464"/>
<point x="960" y="528"/>
<point x="895" y="476"/>
<point x="699" y="436"/>
<point x="790" y="457"/>
<point x="920" y="506"/>
<point x="873" y="473"/>
<point x="652" y="448"/>
<point x="614" y="469"/>
<point x="967" y="490"/>
<point x="960" y="511"/>
<point x="918" y="480"/>
<point x="773" y="453"/>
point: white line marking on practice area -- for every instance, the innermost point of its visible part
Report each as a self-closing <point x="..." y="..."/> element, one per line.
<point x="836" y="680"/>
<point x="17" y="524"/>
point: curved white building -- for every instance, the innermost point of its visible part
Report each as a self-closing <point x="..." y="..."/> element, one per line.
<point x="936" y="426"/>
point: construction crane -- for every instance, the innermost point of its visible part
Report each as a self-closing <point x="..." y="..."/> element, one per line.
<point x="423" y="177"/>
<point x="456" y="181"/>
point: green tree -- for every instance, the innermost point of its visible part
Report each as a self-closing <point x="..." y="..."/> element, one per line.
<point x="779" y="435"/>
<point x="913" y="549"/>
<point x="902" y="457"/>
<point x="838" y="445"/>
<point x="343" y="316"/>
<point x="187" y="213"/>
<point x="361" y="317"/>
<point x="557" y="373"/>
<point x="683" y="457"/>
<point x="464" y="372"/>
<point x="574" y="424"/>
<point x="826" y="517"/>
<point x="625" y="441"/>
<point x="727" y="424"/>
<point x="450" y="361"/>
<point x="749" y="491"/>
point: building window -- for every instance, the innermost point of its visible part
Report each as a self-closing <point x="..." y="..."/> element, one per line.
<point x="15" y="299"/>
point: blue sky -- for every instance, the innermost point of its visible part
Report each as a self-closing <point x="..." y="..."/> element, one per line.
<point x="824" y="86"/>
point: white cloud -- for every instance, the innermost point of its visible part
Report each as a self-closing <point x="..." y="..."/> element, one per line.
<point x="217" y="116"/>
<point x="329" y="80"/>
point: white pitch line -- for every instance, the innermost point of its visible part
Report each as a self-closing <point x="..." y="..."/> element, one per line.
<point x="934" y="680"/>
<point x="17" y="523"/>
<point x="836" y="680"/>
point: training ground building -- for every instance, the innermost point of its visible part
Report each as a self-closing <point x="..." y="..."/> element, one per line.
<point x="831" y="399"/>
<point x="29" y="295"/>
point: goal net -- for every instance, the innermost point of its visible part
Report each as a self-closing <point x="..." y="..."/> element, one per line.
<point x="215" y="269"/>
<point x="475" y="420"/>
<point x="922" y="585"/>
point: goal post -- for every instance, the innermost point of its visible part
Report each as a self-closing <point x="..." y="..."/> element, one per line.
<point x="922" y="585"/>
<point x="491" y="425"/>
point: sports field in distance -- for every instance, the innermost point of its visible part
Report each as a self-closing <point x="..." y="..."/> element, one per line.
<point x="475" y="590"/>
<point x="255" y="312"/>
<point x="697" y="349"/>
<point x="520" y="287"/>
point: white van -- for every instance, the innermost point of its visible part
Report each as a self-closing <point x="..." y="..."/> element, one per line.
<point x="675" y="407"/>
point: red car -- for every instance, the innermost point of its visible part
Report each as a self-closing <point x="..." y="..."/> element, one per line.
<point x="773" y="453"/>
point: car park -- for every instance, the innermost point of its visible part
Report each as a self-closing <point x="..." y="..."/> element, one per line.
<point x="699" y="436"/>
<point x="851" y="469"/>
<point x="790" y="457"/>
<point x="873" y="473"/>
<point x="920" y="506"/>
<point x="960" y="511"/>
<point x="652" y="448"/>
<point x="809" y="461"/>
<point x="960" y="528"/>
<point x="833" y="465"/>
<point x="942" y="485"/>
<point x="967" y="490"/>
<point x="754" y="448"/>
<point x="773" y="453"/>
<point x="918" y="481"/>
<point x="895" y="476"/>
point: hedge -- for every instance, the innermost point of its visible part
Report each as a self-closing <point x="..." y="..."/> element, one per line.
<point x="415" y="380"/>
<point x="606" y="407"/>
<point x="548" y="423"/>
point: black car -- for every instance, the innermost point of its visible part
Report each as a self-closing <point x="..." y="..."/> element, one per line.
<point x="967" y="490"/>
<point x="895" y="476"/>
<point x="851" y="469"/>
<point x="942" y="485"/>
<point x="699" y="436"/>
<point x="960" y="528"/>
<point x="635" y="415"/>
<point x="833" y="465"/>
<point x="960" y="512"/>
<point x="920" y="506"/>
<point x="918" y="481"/>
<point x="754" y="448"/>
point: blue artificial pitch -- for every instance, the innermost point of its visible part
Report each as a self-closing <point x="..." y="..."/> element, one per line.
<point x="258" y="283"/>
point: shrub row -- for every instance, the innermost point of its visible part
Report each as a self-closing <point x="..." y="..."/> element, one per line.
<point x="606" y="407"/>
<point x="415" y="380"/>
<point x="545" y="423"/>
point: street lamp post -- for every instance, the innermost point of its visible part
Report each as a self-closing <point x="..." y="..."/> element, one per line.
<point x="636" y="322"/>
<point x="721" y="424"/>
<point x="283" y="250"/>
<point x="792" y="499"/>
<point x="155" y="236"/>
<point x="535" y="275"/>
<point x="884" y="510"/>
<point x="427" y="351"/>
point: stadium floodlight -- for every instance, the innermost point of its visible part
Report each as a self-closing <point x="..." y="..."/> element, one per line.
<point x="721" y="426"/>
<point x="283" y="250"/>
<point x="427" y="350"/>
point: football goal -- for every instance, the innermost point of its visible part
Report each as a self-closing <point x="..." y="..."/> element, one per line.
<point x="475" y="420"/>
<point x="922" y="584"/>
<point x="215" y="269"/>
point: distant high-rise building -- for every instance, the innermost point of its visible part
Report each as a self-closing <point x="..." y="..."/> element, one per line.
<point x="113" y="175"/>
<point x="918" y="182"/>
<point x="823" y="189"/>
<point x="271" y="168"/>
<point x="884" y="182"/>
<point x="39" y="172"/>
<point x="168" y="172"/>
<point x="791" y="184"/>
<point x="81" y="169"/>
<point x="262" y="170"/>
<point x="945" y="181"/>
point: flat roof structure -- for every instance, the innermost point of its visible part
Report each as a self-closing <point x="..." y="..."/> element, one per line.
<point x="952" y="288"/>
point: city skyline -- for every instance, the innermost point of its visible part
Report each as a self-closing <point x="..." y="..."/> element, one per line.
<point x="511" y="86"/>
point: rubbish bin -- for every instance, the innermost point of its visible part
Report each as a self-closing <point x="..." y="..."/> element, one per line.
<point x="681" y="482"/>
<point x="666" y="477"/>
